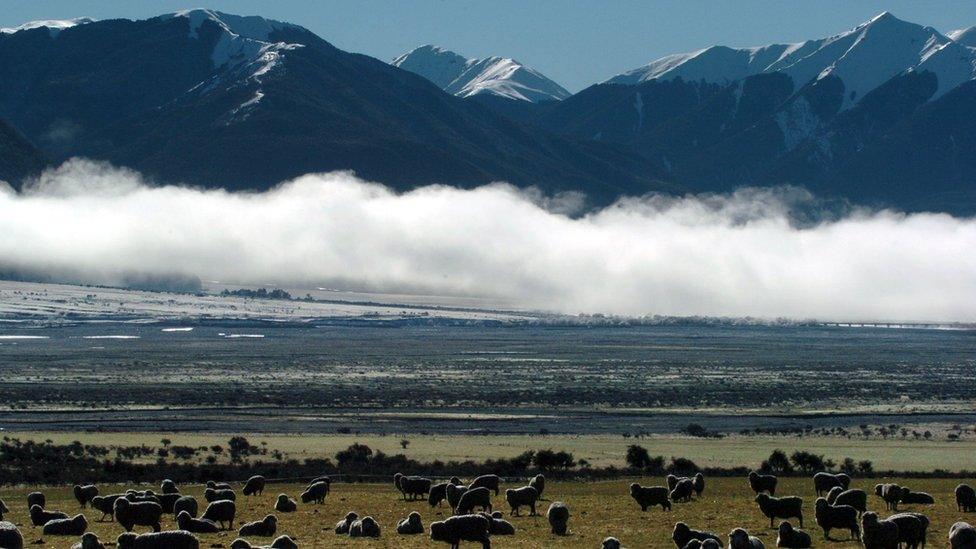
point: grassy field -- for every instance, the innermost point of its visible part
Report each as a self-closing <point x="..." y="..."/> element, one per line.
<point x="598" y="509"/>
<point x="600" y="450"/>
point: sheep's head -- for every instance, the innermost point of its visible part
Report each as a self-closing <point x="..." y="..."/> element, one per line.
<point x="680" y="532"/>
<point x="438" y="531"/>
<point x="753" y="475"/>
<point x="126" y="540"/>
<point x="869" y="517"/>
<point x="762" y="499"/>
<point x="738" y="539"/>
<point x="785" y="528"/>
<point x="820" y="504"/>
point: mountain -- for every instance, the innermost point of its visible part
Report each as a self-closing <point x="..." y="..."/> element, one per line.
<point x="18" y="158"/>
<point x="467" y="77"/>
<point x="213" y="99"/>
<point x="966" y="37"/>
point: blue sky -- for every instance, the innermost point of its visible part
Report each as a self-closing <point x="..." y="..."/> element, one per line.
<point x="575" y="42"/>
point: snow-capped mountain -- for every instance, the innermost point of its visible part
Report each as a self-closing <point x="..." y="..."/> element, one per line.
<point x="53" y="26"/>
<point x="466" y="77"/>
<point x="966" y="37"/>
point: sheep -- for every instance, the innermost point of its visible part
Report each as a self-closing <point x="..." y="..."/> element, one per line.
<point x="762" y="483"/>
<point x="414" y="487"/>
<point x="438" y="493"/>
<point x="492" y="482"/>
<point x="176" y="539"/>
<point x="168" y="501"/>
<point x="454" y="493"/>
<point x="558" y="515"/>
<point x="88" y="541"/>
<point x="195" y="525"/>
<point x="740" y="539"/>
<point x="264" y="528"/>
<point x="254" y="486"/>
<point x="878" y="534"/>
<point x="836" y="516"/>
<point x="890" y="493"/>
<point x="823" y="482"/>
<point x="365" y="527"/>
<point x="682" y="490"/>
<point x="965" y="498"/>
<point x="780" y="508"/>
<point x="539" y="483"/>
<point x="699" y="482"/>
<point x="912" y="529"/>
<point x="682" y="534"/>
<point x="454" y="530"/>
<point x="499" y="526"/>
<point x="281" y="542"/>
<point x="706" y="544"/>
<point x="188" y="504"/>
<point x="474" y="497"/>
<point x="324" y="478"/>
<point x="857" y="499"/>
<point x="143" y="513"/>
<point x="672" y="481"/>
<point x="222" y="512"/>
<point x="36" y="498"/>
<point x="3" y="509"/>
<point x="74" y="526"/>
<point x="518" y="497"/>
<point x="84" y="494"/>
<point x="137" y="497"/>
<point x="285" y="504"/>
<point x="10" y="536"/>
<point x="40" y="517"/>
<point x="412" y="525"/>
<point x="315" y="493"/>
<point x="961" y="536"/>
<point x="342" y="527"/>
<point x="792" y="538"/>
<point x="909" y="497"/>
<point x="212" y="495"/>
<point x="168" y="487"/>
<point x="105" y="504"/>
<point x="649" y="496"/>
<point x="610" y="543"/>
<point x="218" y="485"/>
<point x="455" y="481"/>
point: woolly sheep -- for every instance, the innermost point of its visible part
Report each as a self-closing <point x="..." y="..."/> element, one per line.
<point x="823" y="482"/>
<point x="912" y="529"/>
<point x="285" y="504"/>
<point x="890" y="493"/>
<point x="84" y="494"/>
<point x="342" y="527"/>
<point x="610" y="543"/>
<point x="264" y="528"/>
<point x="197" y="526"/>
<point x="498" y="526"/>
<point x="254" y="486"/>
<point x="961" y="536"/>
<point x="10" y="536"/>
<point x="491" y="482"/>
<point x="791" y="538"/>
<point x="177" y="539"/>
<point x="411" y="525"/>
<point x="222" y="512"/>
<point x="438" y="493"/>
<point x="672" y="481"/>
<point x="412" y="487"/>
<point x="315" y="493"/>
<point x="539" y="483"/>
<point x="740" y="539"/>
<point x="188" y="504"/>
<point x="649" y="496"/>
<point x="74" y="526"/>
<point x="281" y="542"/>
<point x="455" y="481"/>
<point x="836" y="516"/>
<point x="365" y="527"/>
<point x="88" y="541"/>
<point x="3" y="509"/>
<point x="454" y="493"/>
<point x="168" y="487"/>
<point x="168" y="501"/>
<point x="142" y="513"/>
<point x="558" y="515"/>
<point x="854" y="497"/>
<point x="878" y="534"/>
<point x="105" y="504"/>
<point x="699" y="482"/>
<point x="682" y="534"/>
<point x="212" y="495"/>
<point x="683" y="490"/>
<point x="474" y="497"/>
<point x="218" y="485"/>
<point x="909" y="497"/>
<point x="138" y="497"/>
<point x="40" y="517"/>
<point x="36" y="498"/>
<point x="524" y="496"/>
<point x="324" y="478"/>
<point x="965" y="498"/>
<point x="780" y="508"/>
<point x="454" y="530"/>
<point x="763" y="483"/>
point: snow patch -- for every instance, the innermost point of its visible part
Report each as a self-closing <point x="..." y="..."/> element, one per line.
<point x="797" y="122"/>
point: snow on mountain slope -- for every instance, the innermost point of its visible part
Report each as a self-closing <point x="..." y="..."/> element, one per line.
<point x="465" y="77"/>
<point x="54" y="26"/>
<point x="966" y="37"/>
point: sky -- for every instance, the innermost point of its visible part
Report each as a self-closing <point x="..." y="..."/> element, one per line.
<point x="574" y="42"/>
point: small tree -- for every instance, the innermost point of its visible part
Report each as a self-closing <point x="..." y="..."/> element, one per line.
<point x="638" y="457"/>
<point x="865" y="467"/>
<point x="777" y="462"/>
<point x="404" y="443"/>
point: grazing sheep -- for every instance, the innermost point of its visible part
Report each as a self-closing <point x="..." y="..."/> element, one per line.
<point x="137" y="497"/>
<point x="740" y="539"/>
<point x="36" y="498"/>
<point x="909" y="497"/>
<point x="324" y="478"/>
<point x="88" y="541"/>
<point x="780" y="508"/>
<point x="912" y="529"/>
<point x="649" y="496"/>
<point x="105" y="504"/>
<point x="672" y="481"/>
<point x="474" y="497"/>
<point x="315" y="493"/>
<point x="823" y="482"/>
<point x="699" y="482"/>
<point x="74" y="526"/>
<point x="438" y="493"/>
<point x="539" y="483"/>
<point x="222" y="512"/>
<point x="3" y="509"/>
<point x="961" y="536"/>
<point x="610" y="543"/>
<point x="212" y="495"/>
<point x="365" y="527"/>
<point x="792" y="538"/>
<point x="682" y="534"/>
<point x="498" y="525"/>
<point x="836" y="516"/>
<point x="683" y="490"/>
<point x="254" y="486"/>
<point x="412" y="487"/>
<point x="142" y="513"/>
<point x="84" y="494"/>
<point x="878" y="534"/>
<point x="342" y="527"/>
<point x="455" y="481"/>
<point x="285" y="504"/>
<point x="264" y="528"/>
<point x="454" y="530"/>
<point x="763" y="483"/>
<point x="175" y="539"/>
<point x="188" y="504"/>
<point x="890" y="493"/>
<point x="195" y="525"/>
<point x="281" y="542"/>
<point x="491" y="482"/>
<point x="10" y="536"/>
<point x="454" y="493"/>
<point x="558" y="515"/>
<point x="168" y="502"/>
<point x="168" y="487"/>
<point x="524" y="496"/>
<point x="218" y="485"/>
<point x="40" y="517"/>
<point x="412" y="525"/>
<point x="857" y="499"/>
<point x="965" y="498"/>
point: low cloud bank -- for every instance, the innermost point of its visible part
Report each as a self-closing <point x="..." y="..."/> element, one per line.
<point x="728" y="255"/>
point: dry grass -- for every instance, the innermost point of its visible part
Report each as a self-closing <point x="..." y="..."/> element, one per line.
<point x="599" y="509"/>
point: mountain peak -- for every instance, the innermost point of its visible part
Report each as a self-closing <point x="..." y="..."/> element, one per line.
<point x="248" y="26"/>
<point x="54" y="26"/>
<point x="966" y="37"/>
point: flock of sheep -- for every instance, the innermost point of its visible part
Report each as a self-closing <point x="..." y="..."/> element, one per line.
<point x="838" y="506"/>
